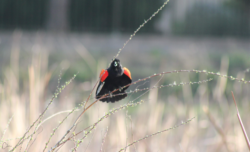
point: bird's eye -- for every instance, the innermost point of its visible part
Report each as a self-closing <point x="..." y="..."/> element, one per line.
<point x="115" y="64"/>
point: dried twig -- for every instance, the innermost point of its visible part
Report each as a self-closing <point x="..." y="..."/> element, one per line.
<point x="145" y="22"/>
<point x="241" y="123"/>
<point x="159" y="132"/>
<point x="4" y="131"/>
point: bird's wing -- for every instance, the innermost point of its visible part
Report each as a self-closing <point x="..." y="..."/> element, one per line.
<point x="100" y="88"/>
<point x="126" y="78"/>
<point x="103" y="75"/>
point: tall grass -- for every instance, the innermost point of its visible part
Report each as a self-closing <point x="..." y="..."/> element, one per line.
<point x="149" y="118"/>
<point x="33" y="121"/>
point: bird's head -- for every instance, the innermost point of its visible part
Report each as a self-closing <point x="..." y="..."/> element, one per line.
<point x="116" y="66"/>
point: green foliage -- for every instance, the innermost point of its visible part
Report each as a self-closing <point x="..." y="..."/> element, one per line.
<point x="84" y="15"/>
<point x="90" y="15"/>
<point x="25" y="14"/>
<point x="238" y="4"/>
<point x="213" y="20"/>
<point x="106" y="15"/>
<point x="238" y="62"/>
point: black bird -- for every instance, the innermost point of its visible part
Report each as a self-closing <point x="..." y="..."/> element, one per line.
<point x="115" y="77"/>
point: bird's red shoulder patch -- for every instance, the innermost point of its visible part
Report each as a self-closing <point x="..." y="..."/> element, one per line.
<point x="127" y="73"/>
<point x="103" y="75"/>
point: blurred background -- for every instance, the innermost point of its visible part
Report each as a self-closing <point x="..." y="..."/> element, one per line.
<point x="40" y="38"/>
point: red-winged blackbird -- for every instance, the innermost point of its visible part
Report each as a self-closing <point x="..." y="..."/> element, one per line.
<point x="115" y="77"/>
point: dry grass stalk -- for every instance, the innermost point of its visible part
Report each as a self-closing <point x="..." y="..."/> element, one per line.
<point x="217" y="128"/>
<point x="241" y="123"/>
<point x="103" y="140"/>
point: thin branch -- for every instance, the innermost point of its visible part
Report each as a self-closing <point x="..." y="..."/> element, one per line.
<point x="241" y="123"/>
<point x="162" y="86"/>
<point x="159" y="132"/>
<point x="113" y="111"/>
<point x="4" y="131"/>
<point x="145" y="22"/>
<point x="50" y="117"/>
<point x="22" y="139"/>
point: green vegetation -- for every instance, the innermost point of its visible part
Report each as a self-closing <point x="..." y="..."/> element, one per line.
<point x="25" y="14"/>
<point x="205" y="19"/>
